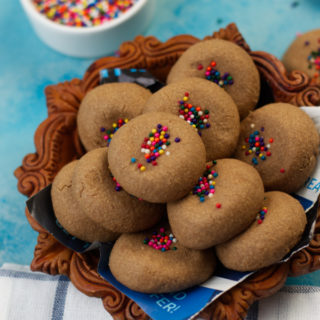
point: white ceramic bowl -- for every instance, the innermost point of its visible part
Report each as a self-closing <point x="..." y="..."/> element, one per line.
<point x="91" y="42"/>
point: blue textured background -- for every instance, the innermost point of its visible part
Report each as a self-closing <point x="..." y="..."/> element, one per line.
<point x="27" y="66"/>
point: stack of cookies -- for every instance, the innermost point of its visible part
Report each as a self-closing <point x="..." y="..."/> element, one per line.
<point x="189" y="174"/>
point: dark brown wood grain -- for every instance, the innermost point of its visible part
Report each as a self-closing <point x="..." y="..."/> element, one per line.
<point x="57" y="143"/>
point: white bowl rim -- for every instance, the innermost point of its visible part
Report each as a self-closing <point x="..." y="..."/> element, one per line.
<point x="31" y="9"/>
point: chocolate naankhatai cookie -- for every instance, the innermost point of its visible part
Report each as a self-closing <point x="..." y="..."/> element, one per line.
<point x="159" y="268"/>
<point x="304" y="54"/>
<point x="104" y="201"/>
<point x="69" y="212"/>
<point x="225" y="64"/>
<point x="281" y="142"/>
<point x="157" y="157"/>
<point x="105" y="109"/>
<point x="279" y="226"/>
<point x="224" y="202"/>
<point x="206" y="107"/>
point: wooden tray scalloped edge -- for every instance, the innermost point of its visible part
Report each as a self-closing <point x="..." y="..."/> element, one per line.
<point x="57" y="143"/>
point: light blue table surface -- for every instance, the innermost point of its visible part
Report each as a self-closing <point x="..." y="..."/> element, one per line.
<point x="27" y="66"/>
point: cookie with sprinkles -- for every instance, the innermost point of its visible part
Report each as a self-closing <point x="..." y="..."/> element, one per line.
<point x="176" y="268"/>
<point x="267" y="242"/>
<point x="281" y="142"/>
<point x="223" y="203"/>
<point x="225" y="64"/>
<point x="157" y="157"/>
<point x="207" y="108"/>
<point x="103" y="200"/>
<point x="303" y="54"/>
<point x="69" y="212"/>
<point x="105" y="109"/>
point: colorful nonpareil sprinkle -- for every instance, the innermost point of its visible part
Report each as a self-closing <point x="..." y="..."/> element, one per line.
<point x="107" y="134"/>
<point x="117" y="185"/>
<point x="155" y="145"/>
<point x="82" y="13"/>
<point x="194" y="115"/>
<point x="161" y="241"/>
<point x="206" y="184"/>
<point x="261" y="215"/>
<point x="214" y="75"/>
<point x="314" y="62"/>
<point x="257" y="146"/>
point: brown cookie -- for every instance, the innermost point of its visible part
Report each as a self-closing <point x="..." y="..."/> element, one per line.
<point x="70" y="214"/>
<point x="152" y="270"/>
<point x="282" y="142"/>
<point x="304" y="54"/>
<point x="206" y="107"/>
<point x="157" y="157"/>
<point x="223" y="204"/>
<point x="263" y="244"/>
<point x="229" y="66"/>
<point x="104" y="201"/>
<point x="106" y="108"/>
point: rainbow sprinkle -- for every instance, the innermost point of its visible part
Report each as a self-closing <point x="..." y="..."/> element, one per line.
<point x="107" y="135"/>
<point x="261" y="215"/>
<point x="193" y="114"/>
<point x="155" y="145"/>
<point x="82" y="13"/>
<point x="314" y="61"/>
<point x="161" y="241"/>
<point x="214" y="75"/>
<point x="117" y="185"/>
<point x="206" y="184"/>
<point x="257" y="146"/>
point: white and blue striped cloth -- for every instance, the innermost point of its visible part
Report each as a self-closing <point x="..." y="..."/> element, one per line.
<point x="26" y="295"/>
<point x="30" y="295"/>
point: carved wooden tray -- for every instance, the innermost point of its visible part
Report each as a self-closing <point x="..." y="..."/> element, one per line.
<point x="57" y="143"/>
